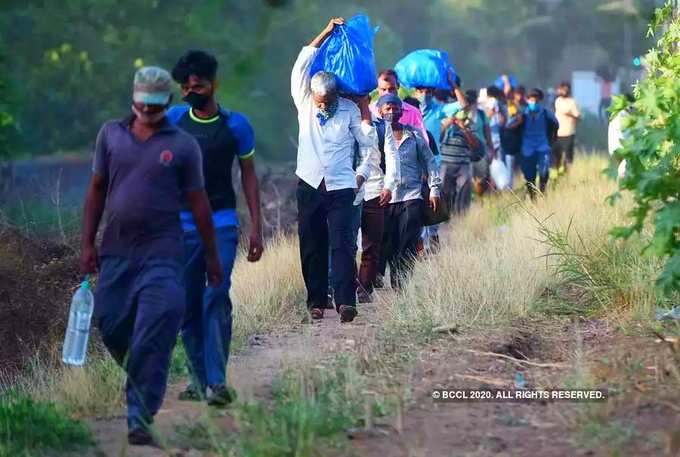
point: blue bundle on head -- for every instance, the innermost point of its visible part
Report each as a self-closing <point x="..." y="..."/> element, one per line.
<point x="500" y="84"/>
<point x="425" y="68"/>
<point x="348" y="53"/>
<point x="388" y="98"/>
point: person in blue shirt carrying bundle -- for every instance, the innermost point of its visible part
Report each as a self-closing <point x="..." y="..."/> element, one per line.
<point x="539" y="130"/>
<point x="222" y="136"/>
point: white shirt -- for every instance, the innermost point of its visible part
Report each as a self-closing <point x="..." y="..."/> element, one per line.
<point x="565" y="110"/>
<point x="615" y="135"/>
<point x="376" y="182"/>
<point x="326" y="152"/>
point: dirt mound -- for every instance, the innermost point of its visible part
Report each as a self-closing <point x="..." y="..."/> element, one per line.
<point x="37" y="279"/>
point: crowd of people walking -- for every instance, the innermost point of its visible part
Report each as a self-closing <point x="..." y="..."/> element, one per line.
<point x="390" y="168"/>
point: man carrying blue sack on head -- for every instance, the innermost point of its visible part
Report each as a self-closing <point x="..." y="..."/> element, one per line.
<point x="222" y="136"/>
<point x="330" y="126"/>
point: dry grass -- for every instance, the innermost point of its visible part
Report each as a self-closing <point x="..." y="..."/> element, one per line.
<point x="96" y="389"/>
<point x="500" y="260"/>
<point x="268" y="294"/>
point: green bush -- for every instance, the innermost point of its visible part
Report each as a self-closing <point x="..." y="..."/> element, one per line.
<point x="652" y="149"/>
<point x="30" y="428"/>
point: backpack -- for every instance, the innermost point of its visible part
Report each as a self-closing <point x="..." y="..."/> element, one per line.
<point x="551" y="127"/>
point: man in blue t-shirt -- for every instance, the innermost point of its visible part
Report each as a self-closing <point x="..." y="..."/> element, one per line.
<point x="222" y="135"/>
<point x="540" y="127"/>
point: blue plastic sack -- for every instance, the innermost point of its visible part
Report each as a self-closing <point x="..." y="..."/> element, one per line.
<point x="425" y="68"/>
<point x="500" y="84"/>
<point x="348" y="53"/>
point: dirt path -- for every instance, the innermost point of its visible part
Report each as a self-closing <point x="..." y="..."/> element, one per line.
<point x="454" y="361"/>
<point x="251" y="373"/>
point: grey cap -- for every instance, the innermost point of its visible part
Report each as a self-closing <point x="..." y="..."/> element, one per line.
<point x="152" y="86"/>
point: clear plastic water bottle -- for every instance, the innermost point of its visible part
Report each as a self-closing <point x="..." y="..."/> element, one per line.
<point x="78" y="331"/>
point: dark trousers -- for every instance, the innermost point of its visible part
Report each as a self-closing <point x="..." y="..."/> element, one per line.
<point x="457" y="185"/>
<point x="138" y="308"/>
<point x="562" y="152"/>
<point x="533" y="165"/>
<point x="356" y="225"/>
<point x="207" y="326"/>
<point x="372" y="228"/>
<point x="403" y="224"/>
<point x="325" y="220"/>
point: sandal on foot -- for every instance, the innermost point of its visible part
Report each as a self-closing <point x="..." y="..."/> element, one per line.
<point x="347" y="313"/>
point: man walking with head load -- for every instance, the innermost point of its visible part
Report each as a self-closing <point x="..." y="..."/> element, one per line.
<point x="329" y="127"/>
<point x="222" y="136"/>
<point x="144" y="172"/>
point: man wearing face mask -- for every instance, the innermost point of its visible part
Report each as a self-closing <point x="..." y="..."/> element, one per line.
<point x="540" y="127"/>
<point x="145" y="170"/>
<point x="222" y="136"/>
<point x="330" y="126"/>
<point x="434" y="111"/>
<point x="407" y="153"/>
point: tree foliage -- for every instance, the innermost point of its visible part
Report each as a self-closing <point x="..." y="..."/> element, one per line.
<point x="652" y="148"/>
<point x="71" y="62"/>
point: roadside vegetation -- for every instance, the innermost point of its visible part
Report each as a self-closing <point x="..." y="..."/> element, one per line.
<point x="508" y="260"/>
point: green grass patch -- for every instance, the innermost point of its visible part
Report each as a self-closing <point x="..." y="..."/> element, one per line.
<point x="40" y="217"/>
<point x="179" y="363"/>
<point x="600" y="276"/>
<point x="31" y="428"/>
<point x="311" y="410"/>
<point x="614" y="435"/>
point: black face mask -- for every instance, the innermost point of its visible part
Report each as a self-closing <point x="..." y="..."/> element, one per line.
<point x="197" y="101"/>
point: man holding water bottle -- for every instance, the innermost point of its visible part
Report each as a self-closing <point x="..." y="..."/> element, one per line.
<point x="144" y="171"/>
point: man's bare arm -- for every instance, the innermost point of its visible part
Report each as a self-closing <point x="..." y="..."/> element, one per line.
<point x="251" y="189"/>
<point x="325" y="33"/>
<point x="95" y="200"/>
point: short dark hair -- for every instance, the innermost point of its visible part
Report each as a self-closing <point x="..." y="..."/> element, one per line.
<point x="535" y="93"/>
<point x="195" y="62"/>
<point x="521" y="90"/>
<point x="566" y="85"/>
<point x="471" y="96"/>
<point x="493" y="91"/>
<point x="388" y="73"/>
<point x="412" y="101"/>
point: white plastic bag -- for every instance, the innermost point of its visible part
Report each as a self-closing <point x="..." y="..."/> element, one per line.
<point x="500" y="174"/>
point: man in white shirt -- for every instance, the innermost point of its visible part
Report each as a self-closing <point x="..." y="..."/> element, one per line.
<point x="568" y="114"/>
<point x="329" y="127"/>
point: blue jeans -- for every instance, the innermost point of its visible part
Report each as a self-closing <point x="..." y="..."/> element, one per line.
<point x="138" y="308"/>
<point x="510" y="164"/>
<point x="206" y="330"/>
<point x="533" y="164"/>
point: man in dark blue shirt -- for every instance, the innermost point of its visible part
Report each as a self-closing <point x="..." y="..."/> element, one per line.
<point x="540" y="125"/>
<point x="222" y="135"/>
<point x="145" y="170"/>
